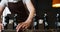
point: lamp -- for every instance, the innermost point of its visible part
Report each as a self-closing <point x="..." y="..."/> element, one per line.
<point x="56" y="3"/>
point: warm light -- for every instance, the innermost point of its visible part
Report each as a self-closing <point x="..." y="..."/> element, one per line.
<point x="56" y="5"/>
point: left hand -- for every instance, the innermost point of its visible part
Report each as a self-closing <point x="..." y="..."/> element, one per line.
<point x="23" y="25"/>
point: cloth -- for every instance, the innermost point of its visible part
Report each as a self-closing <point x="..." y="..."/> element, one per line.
<point x="5" y="2"/>
<point x="19" y="9"/>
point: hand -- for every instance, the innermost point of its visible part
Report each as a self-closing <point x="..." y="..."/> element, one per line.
<point x="23" y="25"/>
<point x="1" y="27"/>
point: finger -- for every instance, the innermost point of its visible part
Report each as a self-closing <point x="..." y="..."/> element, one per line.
<point x="2" y="27"/>
<point x="16" y="31"/>
<point x="24" y="26"/>
<point x="25" y="29"/>
<point x="19" y="27"/>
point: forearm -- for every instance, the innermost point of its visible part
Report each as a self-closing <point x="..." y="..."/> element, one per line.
<point x="31" y="15"/>
<point x="1" y="11"/>
<point x="0" y="17"/>
<point x="31" y="9"/>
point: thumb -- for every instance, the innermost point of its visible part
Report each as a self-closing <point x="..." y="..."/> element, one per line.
<point x="2" y="27"/>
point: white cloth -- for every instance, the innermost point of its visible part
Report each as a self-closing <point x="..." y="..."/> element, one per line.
<point x="5" y="12"/>
<point x="5" y="2"/>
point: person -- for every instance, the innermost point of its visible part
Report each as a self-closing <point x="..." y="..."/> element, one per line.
<point x="19" y="7"/>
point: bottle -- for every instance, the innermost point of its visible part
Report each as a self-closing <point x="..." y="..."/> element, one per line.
<point x="41" y="25"/>
<point x="57" y="22"/>
<point x="35" y="24"/>
<point x="45" y="21"/>
<point x="6" y="21"/>
<point x="15" y="21"/>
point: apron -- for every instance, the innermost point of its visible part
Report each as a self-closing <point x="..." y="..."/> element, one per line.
<point x="19" y="9"/>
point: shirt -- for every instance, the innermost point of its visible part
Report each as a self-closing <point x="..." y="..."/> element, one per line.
<point x="5" y="2"/>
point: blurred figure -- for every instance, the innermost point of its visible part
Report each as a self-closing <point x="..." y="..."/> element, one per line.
<point x="25" y="16"/>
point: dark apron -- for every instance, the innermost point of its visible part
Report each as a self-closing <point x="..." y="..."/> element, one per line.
<point x="18" y="8"/>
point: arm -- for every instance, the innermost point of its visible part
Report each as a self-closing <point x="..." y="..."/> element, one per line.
<point x="31" y="9"/>
<point x="27" y="23"/>
<point x="1" y="11"/>
<point x="2" y="5"/>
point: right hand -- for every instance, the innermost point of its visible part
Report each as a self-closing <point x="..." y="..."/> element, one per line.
<point x="1" y="27"/>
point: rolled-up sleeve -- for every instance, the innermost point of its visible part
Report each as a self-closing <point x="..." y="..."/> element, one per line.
<point x="26" y="1"/>
<point x="3" y="3"/>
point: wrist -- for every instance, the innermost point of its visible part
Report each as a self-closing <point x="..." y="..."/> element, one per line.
<point x="0" y="30"/>
<point x="28" y="20"/>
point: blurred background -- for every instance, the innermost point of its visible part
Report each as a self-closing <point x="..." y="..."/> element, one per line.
<point x="47" y="18"/>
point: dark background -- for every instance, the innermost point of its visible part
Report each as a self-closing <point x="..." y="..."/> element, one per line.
<point x="45" y="6"/>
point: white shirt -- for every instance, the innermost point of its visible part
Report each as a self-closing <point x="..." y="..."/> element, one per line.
<point x="5" y="2"/>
